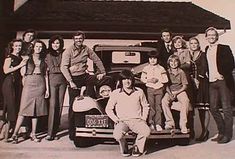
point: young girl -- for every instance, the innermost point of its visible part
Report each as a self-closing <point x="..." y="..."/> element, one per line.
<point x="201" y="83"/>
<point x="154" y="76"/>
<point x="12" y="86"/>
<point x="33" y="104"/>
<point x="176" y="95"/>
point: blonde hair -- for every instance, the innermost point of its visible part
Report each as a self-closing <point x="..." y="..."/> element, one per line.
<point x="173" y="57"/>
<point x="175" y="38"/>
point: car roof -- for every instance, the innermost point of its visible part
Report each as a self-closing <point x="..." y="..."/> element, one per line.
<point x="122" y="48"/>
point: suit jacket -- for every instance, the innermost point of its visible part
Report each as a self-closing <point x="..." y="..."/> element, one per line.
<point x="163" y="53"/>
<point x="225" y="64"/>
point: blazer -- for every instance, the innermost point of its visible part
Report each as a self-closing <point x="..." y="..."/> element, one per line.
<point x="163" y="53"/>
<point x="225" y="64"/>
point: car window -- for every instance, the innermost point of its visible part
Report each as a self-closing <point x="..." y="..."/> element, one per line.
<point x="126" y="57"/>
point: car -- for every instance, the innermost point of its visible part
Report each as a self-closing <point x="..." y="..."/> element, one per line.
<point x="91" y="121"/>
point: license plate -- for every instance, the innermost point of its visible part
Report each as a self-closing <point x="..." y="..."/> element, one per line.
<point x="98" y="121"/>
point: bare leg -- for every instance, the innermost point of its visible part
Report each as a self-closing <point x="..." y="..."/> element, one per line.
<point x="18" y="124"/>
<point x="8" y="125"/>
<point x="34" y="125"/>
<point x="34" y="128"/>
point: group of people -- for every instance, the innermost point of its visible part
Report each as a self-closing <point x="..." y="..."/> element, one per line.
<point x="177" y="77"/>
<point x="181" y="78"/>
<point x="34" y="73"/>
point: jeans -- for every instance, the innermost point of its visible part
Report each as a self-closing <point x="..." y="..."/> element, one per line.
<point x="219" y="92"/>
<point x="154" y="99"/>
<point x="181" y="105"/>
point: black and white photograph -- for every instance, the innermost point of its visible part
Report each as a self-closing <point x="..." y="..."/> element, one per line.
<point x="101" y="79"/>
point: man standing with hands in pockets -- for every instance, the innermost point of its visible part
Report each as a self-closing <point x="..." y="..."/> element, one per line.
<point x="221" y="87"/>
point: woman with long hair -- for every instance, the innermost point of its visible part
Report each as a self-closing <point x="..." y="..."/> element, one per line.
<point x="33" y="103"/>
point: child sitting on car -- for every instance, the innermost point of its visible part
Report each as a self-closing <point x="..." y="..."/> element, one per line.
<point x="154" y="76"/>
<point x="176" y="95"/>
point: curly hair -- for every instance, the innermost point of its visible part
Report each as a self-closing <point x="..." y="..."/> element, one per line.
<point x="9" y="48"/>
<point x="175" y="38"/>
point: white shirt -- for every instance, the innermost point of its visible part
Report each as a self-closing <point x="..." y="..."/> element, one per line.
<point x="212" y="64"/>
<point x="168" y="46"/>
<point x="156" y="71"/>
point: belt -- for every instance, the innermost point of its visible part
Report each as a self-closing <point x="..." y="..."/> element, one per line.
<point x="36" y="73"/>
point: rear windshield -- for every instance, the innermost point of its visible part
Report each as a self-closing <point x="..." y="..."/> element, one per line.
<point x="126" y="57"/>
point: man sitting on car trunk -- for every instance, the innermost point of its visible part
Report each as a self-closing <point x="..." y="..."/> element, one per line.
<point x="128" y="108"/>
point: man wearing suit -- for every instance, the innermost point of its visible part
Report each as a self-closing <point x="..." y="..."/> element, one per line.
<point x="164" y="47"/>
<point x="220" y="65"/>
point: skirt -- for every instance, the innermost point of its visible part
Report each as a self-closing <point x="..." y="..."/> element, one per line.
<point x="11" y="90"/>
<point x="202" y="99"/>
<point x="33" y="103"/>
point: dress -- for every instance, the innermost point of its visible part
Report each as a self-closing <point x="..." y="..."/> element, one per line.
<point x="11" y="90"/>
<point x="199" y="72"/>
<point x="33" y="103"/>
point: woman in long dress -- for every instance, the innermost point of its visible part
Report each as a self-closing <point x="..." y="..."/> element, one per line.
<point x="12" y="86"/>
<point x="202" y="84"/>
<point x="35" y="89"/>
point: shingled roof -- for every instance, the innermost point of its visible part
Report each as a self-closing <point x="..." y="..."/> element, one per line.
<point x="115" y="16"/>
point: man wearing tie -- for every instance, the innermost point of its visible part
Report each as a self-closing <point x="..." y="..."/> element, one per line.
<point x="164" y="47"/>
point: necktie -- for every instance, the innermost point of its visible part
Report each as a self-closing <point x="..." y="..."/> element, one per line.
<point x="168" y="47"/>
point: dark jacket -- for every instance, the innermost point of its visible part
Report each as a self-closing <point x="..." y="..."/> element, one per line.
<point x="225" y="64"/>
<point x="30" y="67"/>
<point x="163" y="54"/>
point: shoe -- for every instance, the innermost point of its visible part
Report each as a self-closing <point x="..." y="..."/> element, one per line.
<point x="169" y="127"/>
<point x="152" y="127"/>
<point x="136" y="152"/>
<point x="223" y="140"/>
<point x="204" y="136"/>
<point x="125" y="154"/>
<point x="184" y="130"/>
<point x="34" y="138"/>
<point x="13" y="139"/>
<point x="56" y="138"/>
<point x="158" y="127"/>
<point x="49" y="138"/>
<point x="219" y="137"/>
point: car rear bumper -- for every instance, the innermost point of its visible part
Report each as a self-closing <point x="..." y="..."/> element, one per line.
<point x="108" y="133"/>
